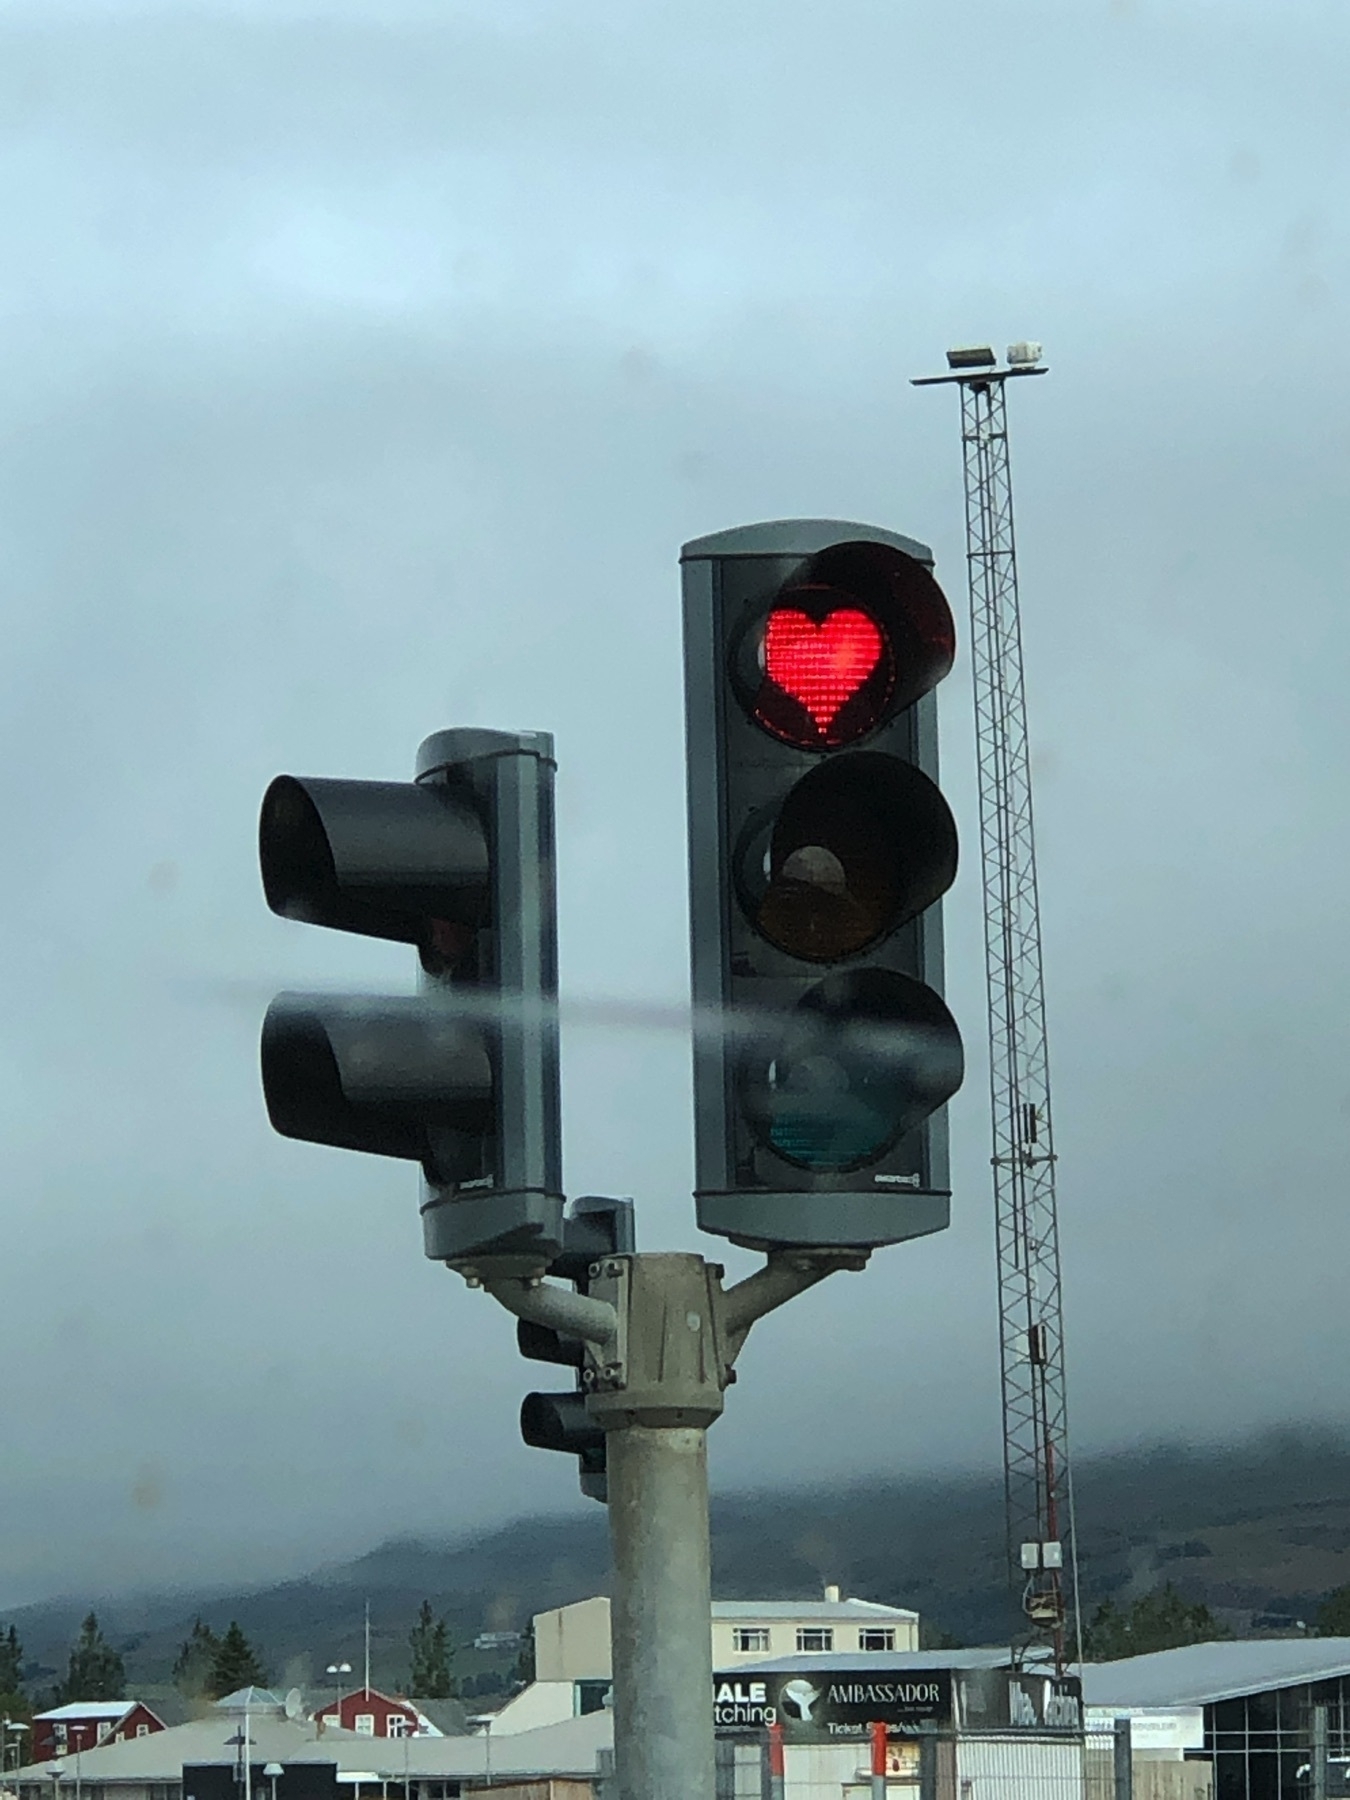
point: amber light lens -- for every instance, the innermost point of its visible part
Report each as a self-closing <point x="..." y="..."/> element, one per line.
<point x="858" y="847"/>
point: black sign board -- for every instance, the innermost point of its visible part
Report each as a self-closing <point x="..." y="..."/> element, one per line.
<point x="225" y="1781"/>
<point x="1017" y="1699"/>
<point x="834" y="1704"/>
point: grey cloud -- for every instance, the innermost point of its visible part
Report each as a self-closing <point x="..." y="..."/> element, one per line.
<point x="363" y="375"/>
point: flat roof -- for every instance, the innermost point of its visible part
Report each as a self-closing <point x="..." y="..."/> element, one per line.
<point x="831" y="1662"/>
<point x="1199" y="1674"/>
<point x="90" y="1709"/>
<point x="839" y="1610"/>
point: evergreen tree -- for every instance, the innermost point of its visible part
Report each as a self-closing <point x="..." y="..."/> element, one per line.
<point x="95" y="1670"/>
<point x="11" y="1662"/>
<point x="933" y="1637"/>
<point x="236" y="1664"/>
<point x="1158" y="1621"/>
<point x="14" y="1703"/>
<point x="430" y="1650"/>
<point x="1333" y="1615"/>
<point x="195" y="1660"/>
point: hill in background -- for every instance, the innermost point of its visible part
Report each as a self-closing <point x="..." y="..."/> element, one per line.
<point x="1259" y="1531"/>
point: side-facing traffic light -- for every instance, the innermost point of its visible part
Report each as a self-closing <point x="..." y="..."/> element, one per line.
<point x="595" y="1227"/>
<point x="461" y="1077"/>
<point x="819" y="849"/>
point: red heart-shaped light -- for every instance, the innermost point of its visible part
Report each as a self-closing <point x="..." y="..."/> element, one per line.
<point x="822" y="665"/>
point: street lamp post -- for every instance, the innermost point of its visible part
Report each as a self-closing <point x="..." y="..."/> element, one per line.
<point x="243" y="1741"/>
<point x="273" y="1771"/>
<point x="337" y="1670"/>
<point x="77" y="1732"/>
<point x="17" y="1728"/>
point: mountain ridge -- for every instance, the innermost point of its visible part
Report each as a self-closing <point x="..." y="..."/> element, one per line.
<point x="1255" y="1530"/>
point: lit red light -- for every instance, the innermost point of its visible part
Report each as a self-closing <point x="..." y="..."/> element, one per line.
<point x="821" y="664"/>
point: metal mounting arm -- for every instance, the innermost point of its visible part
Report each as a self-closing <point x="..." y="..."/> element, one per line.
<point x="576" y="1315"/>
<point x="785" y="1274"/>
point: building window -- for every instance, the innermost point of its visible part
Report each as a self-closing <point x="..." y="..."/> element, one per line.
<point x="333" y="1719"/>
<point x="876" y="1640"/>
<point x="398" y="1725"/>
<point x="814" y="1638"/>
<point x="142" y="1731"/>
<point x="749" y="1638"/>
<point x="364" y="1723"/>
<point x="591" y="1696"/>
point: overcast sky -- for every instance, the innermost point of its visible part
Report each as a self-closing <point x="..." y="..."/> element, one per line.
<point x="363" y="366"/>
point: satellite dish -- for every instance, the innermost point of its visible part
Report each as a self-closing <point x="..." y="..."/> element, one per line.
<point x="295" y="1704"/>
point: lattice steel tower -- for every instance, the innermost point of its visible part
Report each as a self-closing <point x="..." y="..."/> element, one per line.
<point x="1041" y="1551"/>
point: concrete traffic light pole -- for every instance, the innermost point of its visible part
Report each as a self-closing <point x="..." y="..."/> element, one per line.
<point x="662" y="1336"/>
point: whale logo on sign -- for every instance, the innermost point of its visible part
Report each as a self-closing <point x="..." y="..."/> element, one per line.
<point x="797" y="1699"/>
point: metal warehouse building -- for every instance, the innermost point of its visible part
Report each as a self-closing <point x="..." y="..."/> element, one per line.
<point x="1275" y="1721"/>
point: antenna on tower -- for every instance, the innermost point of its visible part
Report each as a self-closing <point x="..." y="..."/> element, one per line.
<point x="1038" y="1485"/>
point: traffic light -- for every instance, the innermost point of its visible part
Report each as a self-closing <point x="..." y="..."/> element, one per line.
<point x="594" y="1228"/>
<point x="461" y="1077"/>
<point x="819" y="849"/>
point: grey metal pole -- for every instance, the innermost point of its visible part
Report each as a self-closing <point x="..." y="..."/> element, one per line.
<point x="1123" y="1761"/>
<point x="661" y="1337"/>
<point x="658" y="1510"/>
<point x="928" y="1766"/>
<point x="1319" y="1753"/>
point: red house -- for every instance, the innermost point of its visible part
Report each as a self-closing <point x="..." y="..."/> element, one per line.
<point x="372" y="1714"/>
<point x="84" y="1724"/>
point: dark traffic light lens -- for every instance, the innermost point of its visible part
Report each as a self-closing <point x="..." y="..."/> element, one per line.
<point x="860" y="846"/>
<point x="863" y="1059"/>
<point x="857" y="634"/>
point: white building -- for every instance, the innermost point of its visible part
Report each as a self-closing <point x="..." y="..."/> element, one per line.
<point x="571" y="1643"/>
<point x="573" y="1668"/>
<point x="745" y="1631"/>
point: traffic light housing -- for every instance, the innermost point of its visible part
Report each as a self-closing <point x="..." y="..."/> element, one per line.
<point x="820" y="847"/>
<point x="595" y="1227"/>
<point x="461" y="1077"/>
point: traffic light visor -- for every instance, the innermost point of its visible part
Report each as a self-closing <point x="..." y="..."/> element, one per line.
<point x="855" y="635"/>
<point x="560" y="1422"/>
<point x="396" y="1077"/>
<point x="391" y="859"/>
